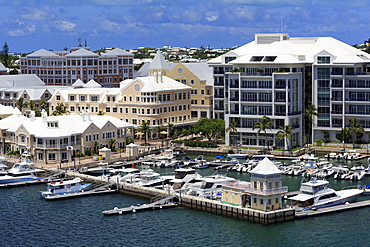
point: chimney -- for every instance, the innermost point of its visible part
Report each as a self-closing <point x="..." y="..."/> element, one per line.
<point x="88" y="115"/>
<point x="160" y="77"/>
<point x="82" y="115"/>
<point x="32" y="116"/>
<point x="44" y="115"/>
<point x="155" y="74"/>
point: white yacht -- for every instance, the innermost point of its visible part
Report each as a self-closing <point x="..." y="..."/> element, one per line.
<point x="21" y="171"/>
<point x="102" y="168"/>
<point x="316" y="194"/>
<point x="64" y="187"/>
<point x="3" y="168"/>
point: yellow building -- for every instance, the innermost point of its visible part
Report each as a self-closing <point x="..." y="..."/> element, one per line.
<point x="264" y="191"/>
<point x="198" y="76"/>
<point x="156" y="99"/>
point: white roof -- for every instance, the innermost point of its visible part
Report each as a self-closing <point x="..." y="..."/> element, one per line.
<point x="92" y="84"/>
<point x="158" y="63"/>
<point x="67" y="124"/>
<point x="202" y="71"/>
<point x="117" y="52"/>
<point x="164" y="84"/>
<point x="301" y="197"/>
<point x="2" y="67"/>
<point x="296" y="50"/>
<point x="78" y="83"/>
<point x="266" y="167"/>
<point x="42" y="53"/>
<point x="82" y="52"/>
<point x="5" y="110"/>
<point x="20" y="81"/>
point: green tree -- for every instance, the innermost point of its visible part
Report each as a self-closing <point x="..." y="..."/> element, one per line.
<point x="145" y="129"/>
<point x="343" y="136"/>
<point x="4" y="55"/>
<point x="101" y="113"/>
<point x="60" y="109"/>
<point x="355" y="127"/>
<point x="210" y="128"/>
<point x="262" y="126"/>
<point x="285" y="133"/>
<point x="43" y="104"/>
<point x="309" y="112"/>
<point x="31" y="105"/>
<point x="95" y="146"/>
<point x="231" y="128"/>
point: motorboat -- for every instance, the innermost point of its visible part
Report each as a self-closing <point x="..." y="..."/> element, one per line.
<point x="331" y="155"/>
<point x="146" y="177"/>
<point x="3" y="168"/>
<point x="182" y="178"/>
<point x="211" y="186"/>
<point x="101" y="169"/>
<point x="352" y="155"/>
<point x="65" y="187"/>
<point x="316" y="193"/>
<point x="237" y="156"/>
<point x="22" y="171"/>
<point x="123" y="175"/>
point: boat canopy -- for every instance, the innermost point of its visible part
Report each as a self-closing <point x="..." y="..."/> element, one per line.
<point x="301" y="197"/>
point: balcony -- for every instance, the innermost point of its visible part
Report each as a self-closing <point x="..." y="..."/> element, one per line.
<point x="219" y="72"/>
<point x="357" y="99"/>
<point x="357" y="85"/>
<point x="218" y="96"/>
<point x="337" y="99"/>
<point x="234" y="112"/>
<point x="336" y="112"/>
<point x="247" y="188"/>
<point x="255" y="74"/>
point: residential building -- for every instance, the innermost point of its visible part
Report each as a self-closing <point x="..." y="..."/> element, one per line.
<point x="3" y="70"/>
<point x="63" y="68"/>
<point x="6" y="111"/>
<point x="28" y="87"/>
<point x="47" y="137"/>
<point x="277" y="76"/>
<point x="196" y="75"/>
<point x="157" y="99"/>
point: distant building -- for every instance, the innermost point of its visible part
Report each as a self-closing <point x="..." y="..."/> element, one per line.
<point x="47" y="137"/>
<point x="3" y="70"/>
<point x="63" y="68"/>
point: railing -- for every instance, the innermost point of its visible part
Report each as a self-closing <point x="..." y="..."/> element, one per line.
<point x="247" y="188"/>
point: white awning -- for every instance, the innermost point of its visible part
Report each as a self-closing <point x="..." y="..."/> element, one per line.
<point x="301" y="197"/>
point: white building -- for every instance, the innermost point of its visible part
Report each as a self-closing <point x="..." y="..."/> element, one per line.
<point x="47" y="137"/>
<point x="277" y="76"/>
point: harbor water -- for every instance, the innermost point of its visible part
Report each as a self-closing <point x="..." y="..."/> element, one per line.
<point x="29" y="220"/>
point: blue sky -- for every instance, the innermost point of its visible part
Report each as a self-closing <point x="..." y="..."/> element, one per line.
<point x="29" y="25"/>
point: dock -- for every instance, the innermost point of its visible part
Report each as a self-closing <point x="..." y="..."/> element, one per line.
<point x="159" y="204"/>
<point x="99" y="190"/>
<point x="333" y="209"/>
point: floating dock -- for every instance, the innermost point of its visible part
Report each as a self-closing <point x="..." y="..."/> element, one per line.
<point x="100" y="190"/>
<point x="162" y="203"/>
<point x="333" y="209"/>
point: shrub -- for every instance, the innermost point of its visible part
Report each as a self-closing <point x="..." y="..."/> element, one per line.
<point x="87" y="152"/>
<point x="319" y="141"/>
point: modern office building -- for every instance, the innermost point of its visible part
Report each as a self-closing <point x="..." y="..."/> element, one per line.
<point x="63" y="68"/>
<point x="277" y="76"/>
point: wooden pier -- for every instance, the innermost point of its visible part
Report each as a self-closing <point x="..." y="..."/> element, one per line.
<point x="344" y="207"/>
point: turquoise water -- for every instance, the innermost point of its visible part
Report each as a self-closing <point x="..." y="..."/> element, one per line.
<point x="29" y="220"/>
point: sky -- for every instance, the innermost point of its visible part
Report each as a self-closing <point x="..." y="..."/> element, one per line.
<point x="30" y="25"/>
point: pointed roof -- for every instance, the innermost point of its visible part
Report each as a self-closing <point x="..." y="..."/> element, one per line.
<point x="92" y="84"/>
<point x="82" y="52"/>
<point x="266" y="167"/>
<point x="117" y="52"/>
<point x="158" y="63"/>
<point x="78" y="83"/>
<point x="2" y="67"/>
<point x="42" y="53"/>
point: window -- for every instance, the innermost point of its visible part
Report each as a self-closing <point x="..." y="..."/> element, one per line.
<point x="71" y="108"/>
<point x="134" y="111"/>
<point x="323" y="60"/>
<point x="71" y="98"/>
<point x="58" y="97"/>
<point x="107" y="109"/>
<point x="94" y="98"/>
<point x="82" y="98"/>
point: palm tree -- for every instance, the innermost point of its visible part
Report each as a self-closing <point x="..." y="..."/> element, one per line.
<point x="112" y="143"/>
<point x="310" y="111"/>
<point x="60" y="109"/>
<point x="20" y="103"/>
<point x="158" y="130"/>
<point x="96" y="145"/>
<point x="169" y="129"/>
<point x="43" y="104"/>
<point x="31" y="104"/>
<point x="145" y="129"/>
<point x="232" y="128"/>
<point x="355" y="127"/>
<point x="101" y="113"/>
<point x="263" y="125"/>
<point x="284" y="133"/>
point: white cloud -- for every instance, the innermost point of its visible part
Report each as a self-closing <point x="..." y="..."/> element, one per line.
<point x="211" y="16"/>
<point x="65" y="26"/>
<point x="35" y="14"/>
<point x="110" y="25"/>
<point x="26" y="30"/>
